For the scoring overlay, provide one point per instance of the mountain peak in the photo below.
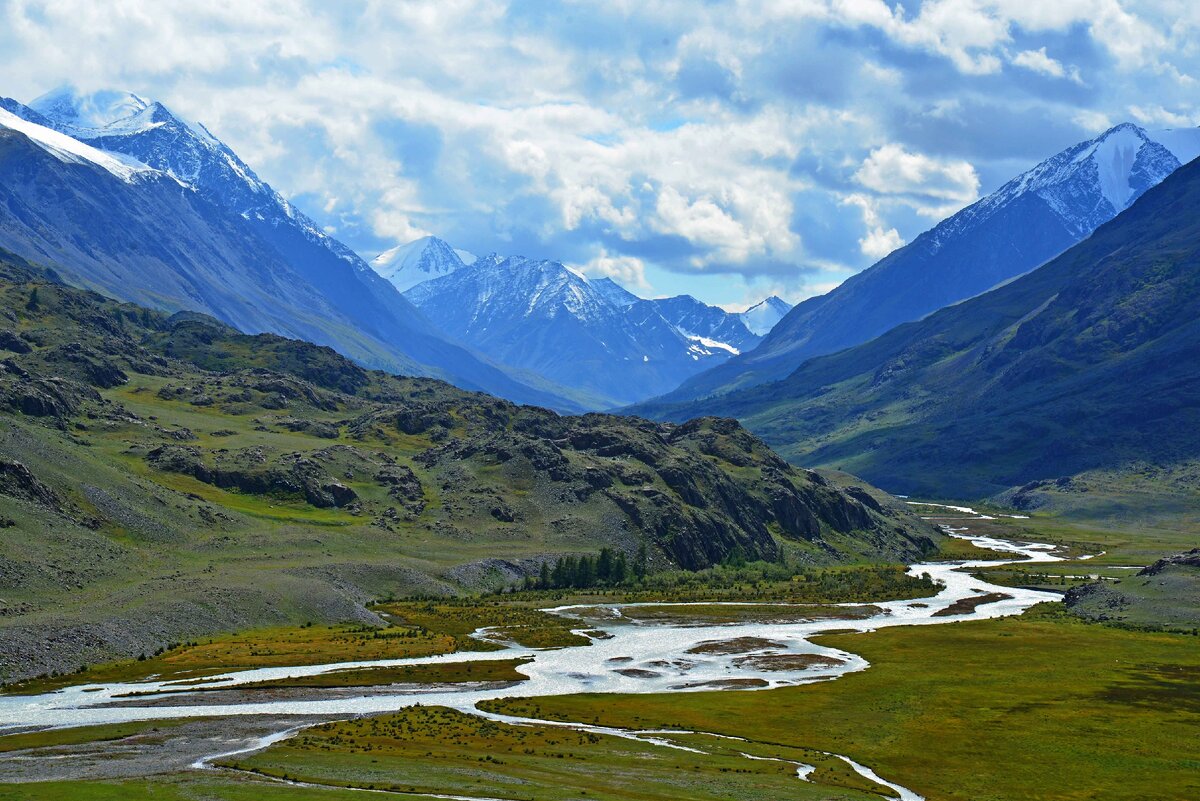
(412, 263)
(68, 106)
(762, 316)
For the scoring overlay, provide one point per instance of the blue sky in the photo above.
(726, 149)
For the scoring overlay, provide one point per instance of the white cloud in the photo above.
(625, 270)
(879, 240)
(892, 170)
(879, 243)
(1038, 61)
(1158, 116)
(489, 122)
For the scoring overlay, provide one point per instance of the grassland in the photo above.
(83, 734)
(443, 751)
(1036, 707)
(176, 788)
(281, 646)
(524, 626)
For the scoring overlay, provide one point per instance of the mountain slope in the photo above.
(168, 477)
(1087, 362)
(1027, 221)
(198, 230)
(543, 317)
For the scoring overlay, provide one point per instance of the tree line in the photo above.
(608, 568)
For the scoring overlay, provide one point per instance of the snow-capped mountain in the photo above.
(1026, 222)
(407, 265)
(711, 326)
(134, 202)
(591, 335)
(70, 150)
(762, 316)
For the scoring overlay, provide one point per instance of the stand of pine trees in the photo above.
(607, 568)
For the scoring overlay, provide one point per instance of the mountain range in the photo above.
(1086, 363)
(256, 262)
(590, 334)
(1029, 220)
(125, 198)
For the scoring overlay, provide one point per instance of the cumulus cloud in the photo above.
(625, 270)
(1038, 61)
(672, 144)
(879, 240)
(892, 170)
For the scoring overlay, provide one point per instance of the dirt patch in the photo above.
(965, 606)
(725, 684)
(787, 662)
(638, 673)
(740, 645)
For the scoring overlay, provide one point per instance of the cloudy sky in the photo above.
(727, 149)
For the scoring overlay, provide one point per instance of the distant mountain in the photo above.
(764, 315)
(1087, 363)
(175, 220)
(1027, 221)
(409, 264)
(711, 326)
(590, 335)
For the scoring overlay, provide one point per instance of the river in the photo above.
(637, 653)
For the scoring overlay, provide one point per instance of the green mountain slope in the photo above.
(165, 477)
(1088, 362)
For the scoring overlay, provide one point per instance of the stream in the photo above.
(631, 651)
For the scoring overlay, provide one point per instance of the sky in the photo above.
(729, 150)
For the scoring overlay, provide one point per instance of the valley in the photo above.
(570, 712)
(492, 401)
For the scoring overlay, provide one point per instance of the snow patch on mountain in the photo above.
(72, 151)
(613, 292)
(712, 344)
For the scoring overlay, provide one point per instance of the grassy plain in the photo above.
(439, 750)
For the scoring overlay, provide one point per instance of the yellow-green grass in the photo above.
(489, 670)
(273, 647)
(49, 738)
(1019, 709)
(531, 628)
(182, 787)
(438, 750)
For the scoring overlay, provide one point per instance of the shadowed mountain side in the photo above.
(1088, 362)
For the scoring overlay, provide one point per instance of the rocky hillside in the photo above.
(1164, 595)
(162, 477)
